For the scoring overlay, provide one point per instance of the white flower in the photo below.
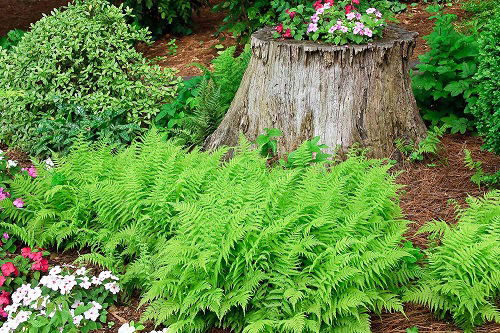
(55, 270)
(85, 284)
(49, 163)
(91, 314)
(77, 320)
(23, 316)
(105, 275)
(113, 287)
(126, 328)
(11, 164)
(77, 304)
(96, 305)
(81, 271)
(96, 281)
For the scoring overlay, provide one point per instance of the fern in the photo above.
(480, 177)
(462, 275)
(304, 247)
(283, 250)
(429, 145)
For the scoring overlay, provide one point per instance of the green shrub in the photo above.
(82, 57)
(486, 110)
(444, 83)
(481, 12)
(158, 15)
(462, 274)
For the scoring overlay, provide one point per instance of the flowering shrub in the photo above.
(341, 22)
(64, 300)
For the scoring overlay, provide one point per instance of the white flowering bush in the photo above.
(336, 22)
(65, 300)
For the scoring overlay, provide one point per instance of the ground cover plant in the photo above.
(77, 71)
(462, 274)
(126, 206)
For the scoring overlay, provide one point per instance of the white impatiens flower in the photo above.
(77, 320)
(11, 164)
(96, 281)
(85, 283)
(91, 314)
(105, 275)
(55, 270)
(126, 328)
(113, 287)
(49, 163)
(80, 271)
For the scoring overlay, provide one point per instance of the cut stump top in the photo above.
(391, 35)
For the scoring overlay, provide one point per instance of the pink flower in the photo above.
(330, 2)
(19, 203)
(315, 18)
(6, 235)
(26, 252)
(288, 33)
(367, 32)
(356, 2)
(292, 14)
(371, 10)
(40, 265)
(4, 298)
(350, 16)
(8, 268)
(2, 280)
(343, 28)
(349, 8)
(313, 27)
(378, 14)
(279, 28)
(318, 4)
(31, 171)
(35, 256)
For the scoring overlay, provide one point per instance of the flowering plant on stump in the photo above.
(330, 21)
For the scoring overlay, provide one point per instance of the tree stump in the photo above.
(344, 94)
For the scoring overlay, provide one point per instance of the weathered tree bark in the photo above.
(344, 94)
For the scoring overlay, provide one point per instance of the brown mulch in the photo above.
(199, 47)
(429, 185)
(19, 14)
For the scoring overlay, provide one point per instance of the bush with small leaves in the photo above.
(83, 57)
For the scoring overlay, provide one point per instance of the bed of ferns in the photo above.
(462, 274)
(237, 243)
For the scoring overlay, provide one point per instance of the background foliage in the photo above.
(443, 84)
(160, 15)
(487, 107)
(77, 71)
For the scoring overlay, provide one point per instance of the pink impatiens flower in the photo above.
(367, 32)
(288, 33)
(350, 16)
(292, 14)
(19, 203)
(31, 171)
(313, 27)
(279, 28)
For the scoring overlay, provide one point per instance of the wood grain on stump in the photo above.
(344, 94)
